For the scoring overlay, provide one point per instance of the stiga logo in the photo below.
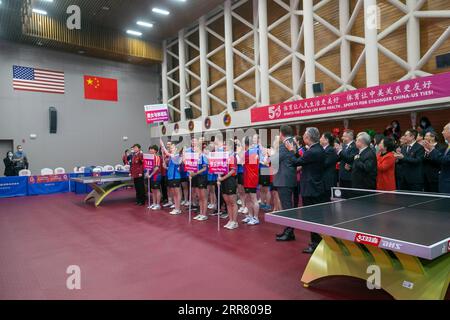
(366, 239)
(390, 245)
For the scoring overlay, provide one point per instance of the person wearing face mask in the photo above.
(10, 166)
(20, 159)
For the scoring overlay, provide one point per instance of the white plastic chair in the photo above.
(25, 173)
(75, 169)
(99, 167)
(81, 169)
(119, 167)
(126, 167)
(46, 172)
(108, 168)
(60, 170)
(97, 170)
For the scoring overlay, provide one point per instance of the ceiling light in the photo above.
(47, 0)
(134, 33)
(145, 24)
(39, 11)
(161, 11)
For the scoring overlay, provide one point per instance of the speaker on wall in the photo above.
(318, 87)
(188, 113)
(53, 119)
(234, 105)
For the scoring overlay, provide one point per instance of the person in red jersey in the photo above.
(251, 181)
(155, 179)
(137, 173)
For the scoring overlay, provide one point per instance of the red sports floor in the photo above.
(129, 252)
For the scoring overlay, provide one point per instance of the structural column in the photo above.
(371, 23)
(204, 74)
(308, 37)
(164, 84)
(256, 53)
(228, 28)
(344, 12)
(296, 72)
(182, 73)
(263, 52)
(412, 37)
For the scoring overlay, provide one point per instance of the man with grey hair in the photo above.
(312, 185)
(346, 152)
(364, 168)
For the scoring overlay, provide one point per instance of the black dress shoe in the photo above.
(309, 250)
(286, 237)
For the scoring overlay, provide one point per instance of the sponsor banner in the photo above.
(218, 162)
(13, 187)
(415, 90)
(156, 113)
(49, 184)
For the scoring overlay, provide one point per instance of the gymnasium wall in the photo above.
(90, 132)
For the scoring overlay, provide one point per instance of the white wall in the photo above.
(89, 132)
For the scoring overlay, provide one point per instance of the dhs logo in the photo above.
(367, 239)
(390, 245)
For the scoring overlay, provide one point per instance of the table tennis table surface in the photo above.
(414, 224)
(105, 178)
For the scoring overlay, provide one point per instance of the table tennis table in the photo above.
(404, 234)
(102, 186)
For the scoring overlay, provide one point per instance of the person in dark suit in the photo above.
(364, 169)
(431, 167)
(331, 158)
(285, 177)
(346, 153)
(442, 157)
(311, 182)
(10, 166)
(411, 161)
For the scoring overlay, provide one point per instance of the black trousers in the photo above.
(345, 183)
(308, 201)
(297, 195)
(140, 189)
(164, 189)
(287, 196)
(431, 186)
(411, 186)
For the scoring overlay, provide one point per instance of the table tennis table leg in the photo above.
(402, 276)
(99, 192)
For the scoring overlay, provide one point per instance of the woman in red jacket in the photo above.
(386, 165)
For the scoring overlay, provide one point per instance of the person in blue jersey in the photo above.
(200, 179)
(240, 177)
(174, 177)
(212, 180)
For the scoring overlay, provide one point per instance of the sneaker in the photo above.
(239, 202)
(175, 212)
(172, 206)
(186, 203)
(197, 217)
(214, 213)
(211, 206)
(183, 202)
(151, 206)
(241, 210)
(228, 225)
(234, 225)
(245, 211)
(224, 215)
(247, 219)
(156, 207)
(254, 221)
(168, 204)
(202, 218)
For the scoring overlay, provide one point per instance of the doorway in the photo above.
(5, 146)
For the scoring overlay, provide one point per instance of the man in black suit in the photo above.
(285, 179)
(442, 157)
(411, 161)
(329, 172)
(346, 153)
(364, 169)
(311, 182)
(431, 167)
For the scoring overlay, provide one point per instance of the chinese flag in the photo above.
(97, 88)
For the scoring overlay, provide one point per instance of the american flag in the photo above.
(32, 79)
